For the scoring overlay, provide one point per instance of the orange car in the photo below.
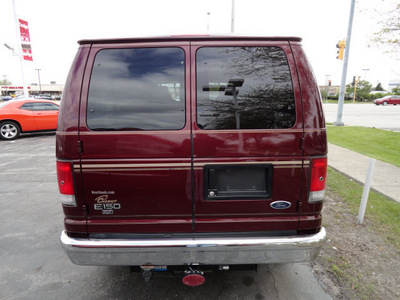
(18, 116)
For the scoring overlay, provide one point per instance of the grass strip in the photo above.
(377, 143)
(384, 213)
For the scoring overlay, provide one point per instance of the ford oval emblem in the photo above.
(281, 205)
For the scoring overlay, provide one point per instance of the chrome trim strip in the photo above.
(148, 132)
(112, 165)
(242, 131)
(67, 133)
(136, 169)
(133, 132)
(288, 162)
(186, 165)
(176, 251)
(309, 130)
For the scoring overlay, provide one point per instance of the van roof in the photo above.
(188, 37)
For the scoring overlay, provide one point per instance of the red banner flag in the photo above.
(25, 40)
(27, 52)
(24, 29)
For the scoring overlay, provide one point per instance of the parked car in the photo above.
(56, 97)
(22, 97)
(392, 99)
(6, 98)
(44, 97)
(20, 116)
(196, 153)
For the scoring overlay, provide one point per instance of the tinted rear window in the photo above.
(137, 89)
(244, 88)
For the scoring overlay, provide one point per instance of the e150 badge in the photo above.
(107, 206)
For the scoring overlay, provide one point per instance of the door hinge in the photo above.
(80, 146)
(302, 142)
(85, 210)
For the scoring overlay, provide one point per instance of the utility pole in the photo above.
(357, 79)
(40, 85)
(19, 50)
(208, 22)
(339, 121)
(365, 74)
(233, 17)
(5, 83)
(326, 87)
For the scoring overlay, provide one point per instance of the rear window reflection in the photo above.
(244, 88)
(137, 89)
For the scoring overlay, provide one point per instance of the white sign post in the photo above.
(365, 194)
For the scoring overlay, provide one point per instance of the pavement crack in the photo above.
(273, 280)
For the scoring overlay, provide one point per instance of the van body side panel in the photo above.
(278, 148)
(67, 138)
(314, 121)
(137, 180)
(67, 127)
(315, 140)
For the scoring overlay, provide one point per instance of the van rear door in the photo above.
(247, 154)
(135, 139)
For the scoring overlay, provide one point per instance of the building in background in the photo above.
(34, 89)
(331, 91)
(393, 84)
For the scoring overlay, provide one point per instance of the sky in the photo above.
(55, 26)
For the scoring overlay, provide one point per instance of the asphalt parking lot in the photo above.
(33, 265)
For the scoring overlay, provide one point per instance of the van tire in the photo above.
(9, 130)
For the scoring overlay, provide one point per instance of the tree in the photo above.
(389, 35)
(396, 90)
(363, 89)
(5, 82)
(379, 87)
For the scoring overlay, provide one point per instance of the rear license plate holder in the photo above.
(233, 182)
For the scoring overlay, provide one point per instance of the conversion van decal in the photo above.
(106, 205)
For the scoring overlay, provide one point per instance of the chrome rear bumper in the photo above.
(210, 251)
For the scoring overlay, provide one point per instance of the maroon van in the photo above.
(191, 151)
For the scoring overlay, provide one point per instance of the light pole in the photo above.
(339, 116)
(9, 48)
(208, 22)
(365, 73)
(327, 86)
(40, 85)
(5, 82)
(233, 17)
(19, 50)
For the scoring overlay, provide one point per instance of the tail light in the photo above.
(66, 182)
(318, 179)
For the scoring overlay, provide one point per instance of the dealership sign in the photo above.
(14, 87)
(25, 40)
